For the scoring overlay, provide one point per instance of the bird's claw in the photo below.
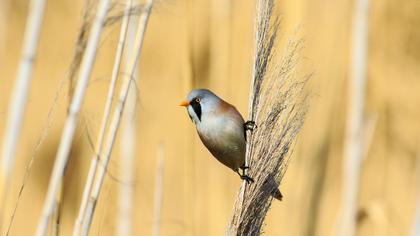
(250, 125)
(247, 179)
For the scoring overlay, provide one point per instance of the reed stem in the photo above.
(72, 117)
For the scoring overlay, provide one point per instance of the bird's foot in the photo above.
(244, 167)
(250, 125)
(247, 179)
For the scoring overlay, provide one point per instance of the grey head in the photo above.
(201, 102)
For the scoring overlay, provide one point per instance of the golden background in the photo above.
(209, 43)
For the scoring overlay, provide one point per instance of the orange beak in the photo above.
(184, 103)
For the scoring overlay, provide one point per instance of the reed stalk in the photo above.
(105, 119)
(74, 66)
(72, 117)
(124, 214)
(19, 99)
(116, 119)
(354, 140)
(278, 105)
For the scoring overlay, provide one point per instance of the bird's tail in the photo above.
(277, 195)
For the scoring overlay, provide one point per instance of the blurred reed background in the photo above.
(209, 43)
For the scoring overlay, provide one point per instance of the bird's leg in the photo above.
(245, 177)
(250, 125)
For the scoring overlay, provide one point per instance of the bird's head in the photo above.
(200, 103)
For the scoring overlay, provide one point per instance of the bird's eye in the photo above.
(198, 100)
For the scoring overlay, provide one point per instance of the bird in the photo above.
(222, 130)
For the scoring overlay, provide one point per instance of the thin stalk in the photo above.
(128, 147)
(19, 97)
(251, 114)
(353, 147)
(116, 119)
(105, 119)
(72, 117)
(158, 198)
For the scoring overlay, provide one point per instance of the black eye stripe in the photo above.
(196, 107)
